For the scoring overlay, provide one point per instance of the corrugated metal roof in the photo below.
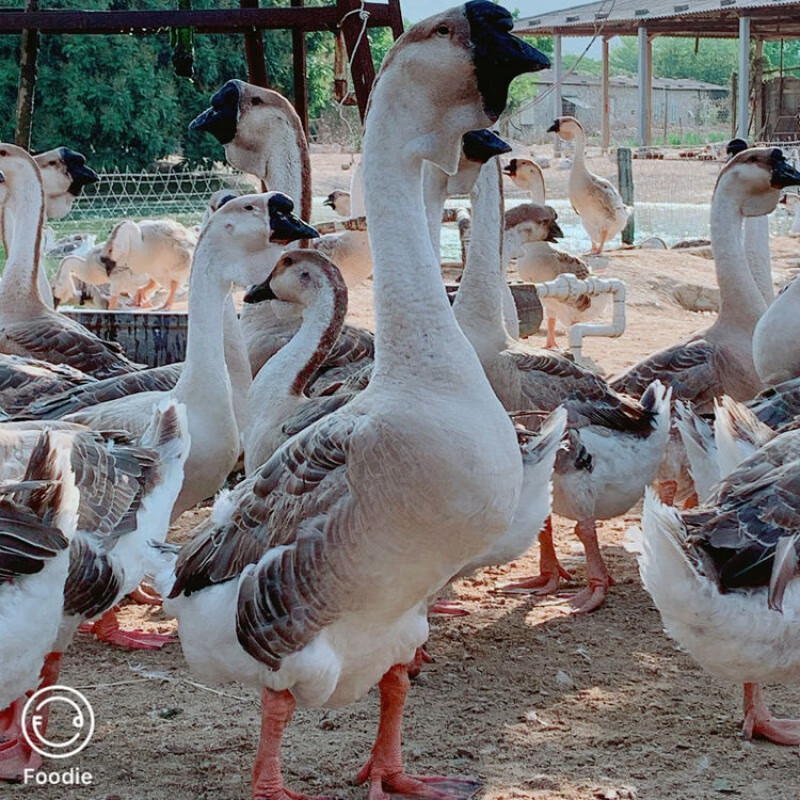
(638, 11)
(547, 77)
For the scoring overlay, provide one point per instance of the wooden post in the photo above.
(606, 100)
(299, 62)
(743, 101)
(29, 46)
(395, 18)
(254, 50)
(625, 178)
(363, 70)
(644, 82)
(648, 109)
(758, 88)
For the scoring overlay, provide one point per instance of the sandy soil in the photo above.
(536, 702)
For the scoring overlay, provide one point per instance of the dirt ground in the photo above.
(536, 702)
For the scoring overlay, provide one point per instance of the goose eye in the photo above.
(257, 101)
(305, 276)
(3, 153)
(249, 207)
(288, 261)
(443, 30)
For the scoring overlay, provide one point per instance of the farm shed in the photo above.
(749, 21)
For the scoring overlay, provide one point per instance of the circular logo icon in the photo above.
(52, 700)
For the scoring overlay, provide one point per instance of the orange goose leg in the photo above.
(594, 595)
(760, 724)
(16, 755)
(550, 570)
(107, 629)
(145, 595)
(384, 770)
(277, 709)
(551, 343)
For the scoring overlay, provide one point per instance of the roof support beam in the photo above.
(606, 141)
(743, 104)
(645, 87)
(558, 105)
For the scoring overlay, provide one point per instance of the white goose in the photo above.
(594, 199)
(615, 444)
(288, 586)
(776, 359)
(528, 176)
(724, 579)
(240, 243)
(27, 326)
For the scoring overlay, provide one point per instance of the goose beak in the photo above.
(260, 293)
(285, 226)
(510, 169)
(783, 173)
(76, 166)
(56, 301)
(555, 127)
(329, 201)
(499, 57)
(222, 118)
(554, 233)
(2, 178)
(479, 146)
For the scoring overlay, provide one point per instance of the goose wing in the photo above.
(61, 341)
(603, 193)
(778, 405)
(352, 344)
(290, 528)
(25, 380)
(693, 370)
(157, 379)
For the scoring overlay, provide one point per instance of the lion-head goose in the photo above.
(240, 244)
(615, 444)
(530, 230)
(720, 360)
(528, 176)
(339, 202)
(594, 199)
(723, 578)
(38, 518)
(160, 249)
(27, 326)
(309, 526)
(309, 280)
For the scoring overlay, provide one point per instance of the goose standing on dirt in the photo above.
(27, 326)
(240, 244)
(594, 199)
(615, 444)
(724, 578)
(720, 360)
(288, 587)
(530, 230)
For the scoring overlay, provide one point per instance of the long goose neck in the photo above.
(23, 218)
(756, 247)
(205, 370)
(578, 157)
(434, 183)
(417, 339)
(288, 164)
(236, 359)
(741, 302)
(292, 367)
(478, 305)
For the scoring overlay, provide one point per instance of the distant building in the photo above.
(679, 105)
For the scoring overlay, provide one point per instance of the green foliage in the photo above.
(586, 65)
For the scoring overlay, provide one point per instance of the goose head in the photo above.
(248, 234)
(523, 172)
(756, 175)
(245, 118)
(216, 201)
(298, 280)
(530, 222)
(124, 240)
(471, 49)
(338, 201)
(22, 176)
(64, 174)
(568, 128)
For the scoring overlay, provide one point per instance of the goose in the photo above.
(615, 444)
(529, 231)
(339, 202)
(792, 202)
(240, 243)
(723, 578)
(477, 148)
(314, 525)
(160, 249)
(27, 326)
(263, 135)
(720, 359)
(277, 402)
(38, 517)
(25, 380)
(125, 494)
(594, 199)
(527, 175)
(216, 201)
(774, 357)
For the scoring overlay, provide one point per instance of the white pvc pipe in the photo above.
(568, 287)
